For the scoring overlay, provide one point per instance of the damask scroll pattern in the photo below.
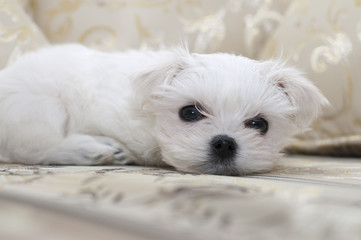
(335, 51)
(326, 43)
(207, 25)
(301, 191)
(262, 23)
(18, 34)
(337, 46)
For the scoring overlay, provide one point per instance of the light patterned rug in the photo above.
(303, 198)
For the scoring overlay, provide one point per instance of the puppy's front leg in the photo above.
(75, 149)
(81, 149)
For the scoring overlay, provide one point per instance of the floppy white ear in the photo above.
(165, 68)
(302, 93)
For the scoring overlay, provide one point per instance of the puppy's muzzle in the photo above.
(223, 148)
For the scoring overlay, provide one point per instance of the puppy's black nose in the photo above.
(223, 147)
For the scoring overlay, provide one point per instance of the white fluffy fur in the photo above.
(72, 105)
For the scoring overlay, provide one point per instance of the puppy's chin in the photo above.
(231, 167)
(226, 168)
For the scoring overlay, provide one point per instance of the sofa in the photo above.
(314, 191)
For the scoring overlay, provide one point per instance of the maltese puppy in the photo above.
(200, 113)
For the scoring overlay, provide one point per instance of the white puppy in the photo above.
(216, 113)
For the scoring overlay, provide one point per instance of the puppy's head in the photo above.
(225, 114)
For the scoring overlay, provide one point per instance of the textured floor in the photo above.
(303, 198)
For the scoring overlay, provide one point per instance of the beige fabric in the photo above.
(22, 219)
(18, 34)
(304, 198)
(325, 41)
(207, 25)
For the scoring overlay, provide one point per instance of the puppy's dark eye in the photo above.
(258, 123)
(190, 113)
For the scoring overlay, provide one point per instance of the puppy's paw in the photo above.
(87, 150)
(97, 156)
(108, 141)
(121, 158)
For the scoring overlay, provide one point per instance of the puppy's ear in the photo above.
(167, 65)
(302, 93)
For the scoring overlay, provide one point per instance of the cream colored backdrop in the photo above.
(324, 38)
(321, 37)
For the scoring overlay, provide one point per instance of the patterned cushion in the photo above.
(304, 198)
(324, 39)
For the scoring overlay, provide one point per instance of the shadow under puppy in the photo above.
(201, 113)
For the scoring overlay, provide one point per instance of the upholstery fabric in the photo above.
(18, 33)
(230, 26)
(207, 26)
(325, 42)
(304, 198)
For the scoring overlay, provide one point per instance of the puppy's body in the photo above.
(72, 105)
(53, 103)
